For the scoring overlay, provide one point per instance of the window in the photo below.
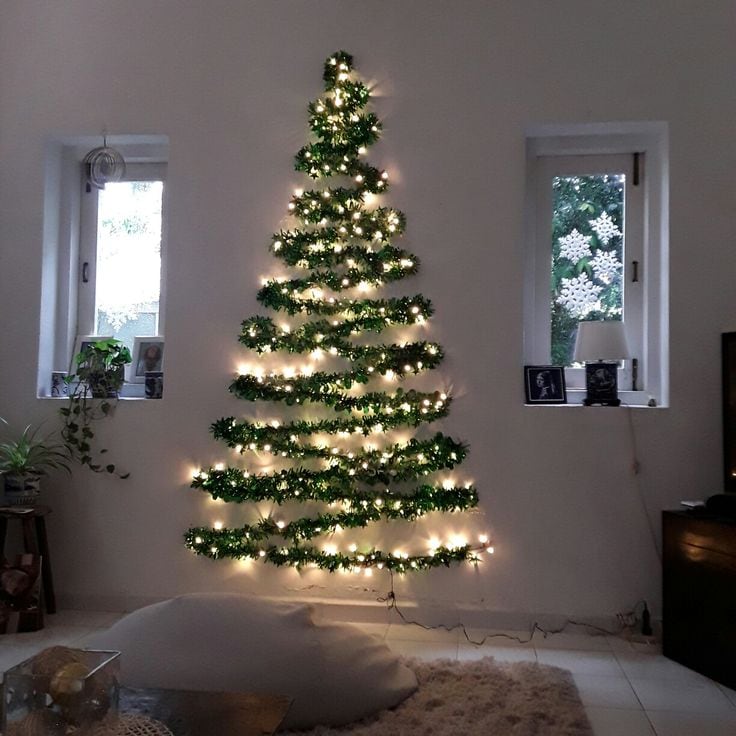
(121, 234)
(595, 251)
(104, 251)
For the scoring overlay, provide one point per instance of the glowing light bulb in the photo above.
(198, 540)
(218, 525)
(280, 524)
(219, 466)
(362, 150)
(483, 538)
(490, 550)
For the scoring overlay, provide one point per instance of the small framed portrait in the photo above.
(601, 383)
(148, 356)
(545, 384)
(83, 341)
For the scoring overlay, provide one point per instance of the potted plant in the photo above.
(93, 392)
(101, 365)
(25, 459)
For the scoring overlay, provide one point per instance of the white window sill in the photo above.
(129, 392)
(633, 399)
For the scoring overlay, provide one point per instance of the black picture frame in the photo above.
(545, 384)
(601, 384)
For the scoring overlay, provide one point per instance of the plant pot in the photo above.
(106, 385)
(21, 490)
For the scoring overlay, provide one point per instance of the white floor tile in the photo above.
(667, 723)
(606, 692)
(47, 636)
(564, 640)
(100, 619)
(602, 664)
(618, 722)
(687, 697)
(467, 652)
(640, 665)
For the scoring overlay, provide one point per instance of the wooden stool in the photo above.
(35, 542)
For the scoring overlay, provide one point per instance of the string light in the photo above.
(343, 247)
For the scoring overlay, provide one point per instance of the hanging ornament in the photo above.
(104, 165)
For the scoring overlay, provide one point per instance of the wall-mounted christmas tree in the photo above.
(341, 460)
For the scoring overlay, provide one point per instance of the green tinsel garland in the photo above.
(343, 244)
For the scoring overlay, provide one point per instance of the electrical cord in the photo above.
(636, 467)
(392, 605)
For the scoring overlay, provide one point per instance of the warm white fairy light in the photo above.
(218, 525)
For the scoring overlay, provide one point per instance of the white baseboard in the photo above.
(361, 611)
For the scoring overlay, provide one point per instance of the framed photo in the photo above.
(148, 356)
(601, 384)
(82, 342)
(545, 384)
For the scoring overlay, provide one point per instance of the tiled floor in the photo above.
(627, 689)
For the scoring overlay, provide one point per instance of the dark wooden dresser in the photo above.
(699, 592)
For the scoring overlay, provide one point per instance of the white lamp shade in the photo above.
(601, 341)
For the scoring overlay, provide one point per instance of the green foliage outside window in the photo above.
(587, 256)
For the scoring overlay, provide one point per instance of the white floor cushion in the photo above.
(230, 643)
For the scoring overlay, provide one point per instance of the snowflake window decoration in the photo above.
(575, 246)
(605, 228)
(606, 266)
(579, 295)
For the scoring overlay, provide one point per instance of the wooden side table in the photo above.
(35, 541)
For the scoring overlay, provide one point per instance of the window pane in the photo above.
(587, 256)
(128, 283)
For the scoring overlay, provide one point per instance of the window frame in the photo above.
(89, 205)
(548, 148)
(59, 323)
(547, 168)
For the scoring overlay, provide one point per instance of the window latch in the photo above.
(635, 272)
(85, 272)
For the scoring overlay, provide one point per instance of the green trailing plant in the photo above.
(94, 387)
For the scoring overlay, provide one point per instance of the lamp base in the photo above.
(599, 402)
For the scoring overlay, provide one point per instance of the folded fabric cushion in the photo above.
(223, 642)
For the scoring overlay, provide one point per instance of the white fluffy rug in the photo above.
(479, 698)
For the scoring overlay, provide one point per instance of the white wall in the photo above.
(457, 84)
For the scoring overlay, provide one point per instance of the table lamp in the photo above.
(601, 345)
